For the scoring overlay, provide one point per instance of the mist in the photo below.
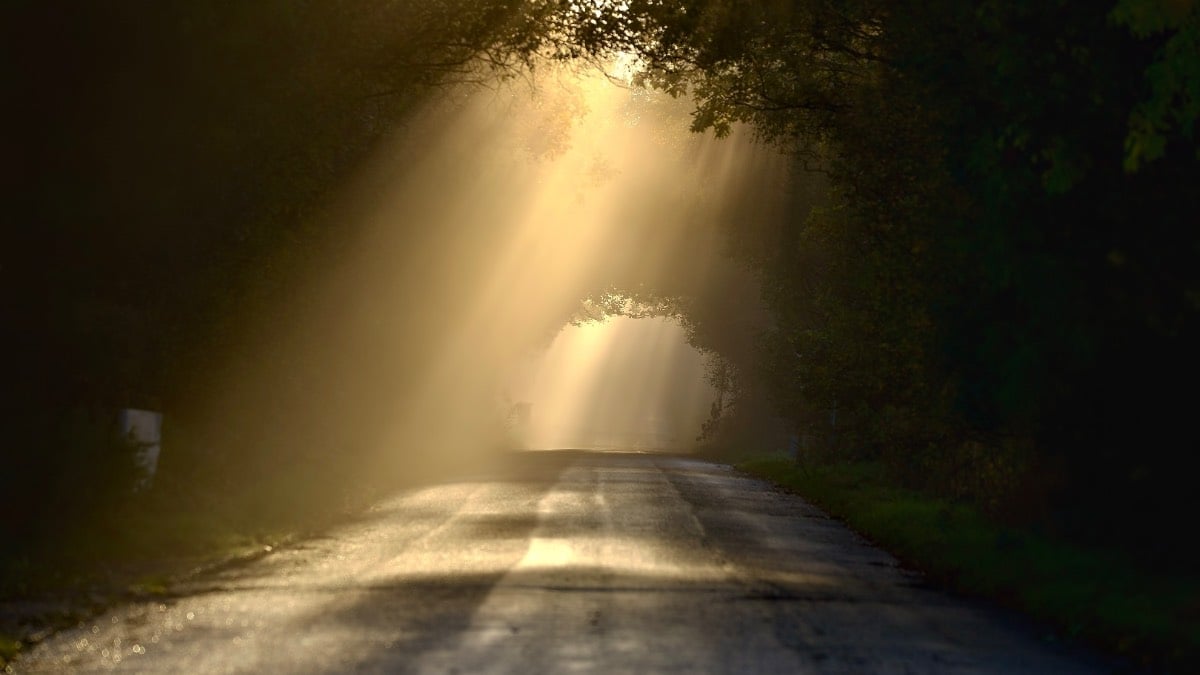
(621, 383)
(472, 241)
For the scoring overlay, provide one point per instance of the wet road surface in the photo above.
(566, 562)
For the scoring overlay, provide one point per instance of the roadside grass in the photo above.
(72, 562)
(1098, 596)
(82, 564)
(10, 646)
(144, 539)
(96, 561)
(122, 547)
(71, 559)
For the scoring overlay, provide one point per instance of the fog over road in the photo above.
(564, 562)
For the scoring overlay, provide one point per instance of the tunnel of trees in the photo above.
(989, 265)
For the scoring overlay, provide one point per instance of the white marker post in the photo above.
(144, 429)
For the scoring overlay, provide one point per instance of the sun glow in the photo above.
(621, 383)
(481, 227)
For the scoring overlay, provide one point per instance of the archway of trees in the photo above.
(989, 273)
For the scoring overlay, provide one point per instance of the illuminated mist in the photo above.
(622, 383)
(479, 229)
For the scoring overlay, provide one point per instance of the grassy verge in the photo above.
(1094, 595)
(88, 566)
(81, 564)
(79, 561)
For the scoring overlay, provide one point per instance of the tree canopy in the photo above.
(998, 292)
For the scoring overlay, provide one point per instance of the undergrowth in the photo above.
(1099, 596)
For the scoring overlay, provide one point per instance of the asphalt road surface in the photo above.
(567, 562)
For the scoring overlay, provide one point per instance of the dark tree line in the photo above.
(166, 169)
(998, 295)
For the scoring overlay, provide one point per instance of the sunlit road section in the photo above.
(560, 562)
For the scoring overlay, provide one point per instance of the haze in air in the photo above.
(497, 217)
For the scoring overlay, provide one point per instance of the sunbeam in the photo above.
(621, 383)
(481, 226)
(528, 200)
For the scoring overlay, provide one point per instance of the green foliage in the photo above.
(1173, 104)
(1098, 595)
(989, 293)
(9, 648)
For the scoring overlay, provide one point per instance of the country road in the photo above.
(566, 562)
